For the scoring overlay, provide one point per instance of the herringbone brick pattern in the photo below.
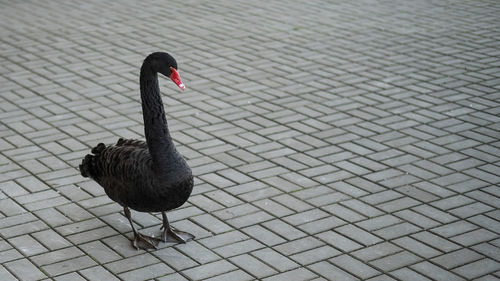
(330, 140)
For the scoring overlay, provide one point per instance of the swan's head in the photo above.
(165, 64)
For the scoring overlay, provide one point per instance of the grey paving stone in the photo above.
(416, 247)
(284, 230)
(250, 219)
(381, 197)
(486, 222)
(452, 202)
(331, 272)
(209, 270)
(454, 259)
(260, 194)
(417, 219)
(365, 185)
(474, 237)
(313, 192)
(198, 253)
(173, 277)
(435, 272)
(406, 273)
(487, 277)
(27, 245)
(395, 261)
(321, 225)
(146, 272)
(357, 234)
(74, 212)
(233, 275)
(292, 202)
(263, 235)
(378, 144)
(236, 211)
(398, 204)
(17, 219)
(345, 191)
(78, 227)
(99, 252)
(339, 241)
(483, 197)
(212, 224)
(90, 235)
(10, 207)
(293, 275)
(434, 189)
(381, 277)
(70, 276)
(274, 208)
(486, 249)
(10, 255)
(376, 251)
(253, 266)
(275, 259)
(12, 189)
(354, 266)
(477, 268)
(57, 256)
(344, 213)
(97, 273)
(224, 239)
(131, 263)
(238, 248)
(454, 228)
(315, 255)
(398, 230)
(436, 241)
(224, 198)
(5, 274)
(305, 217)
(378, 222)
(24, 270)
(25, 228)
(175, 259)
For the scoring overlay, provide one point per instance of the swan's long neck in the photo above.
(155, 124)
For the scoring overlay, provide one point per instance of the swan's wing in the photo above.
(127, 163)
(123, 171)
(131, 142)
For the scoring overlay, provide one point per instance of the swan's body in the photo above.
(127, 173)
(148, 176)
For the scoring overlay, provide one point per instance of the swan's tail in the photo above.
(88, 168)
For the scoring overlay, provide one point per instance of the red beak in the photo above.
(177, 78)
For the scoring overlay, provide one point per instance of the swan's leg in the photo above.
(171, 234)
(140, 241)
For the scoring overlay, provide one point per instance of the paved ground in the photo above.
(331, 140)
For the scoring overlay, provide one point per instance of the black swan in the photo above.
(149, 176)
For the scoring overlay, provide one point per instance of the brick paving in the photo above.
(330, 140)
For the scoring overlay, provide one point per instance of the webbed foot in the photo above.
(140, 242)
(143, 242)
(171, 234)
